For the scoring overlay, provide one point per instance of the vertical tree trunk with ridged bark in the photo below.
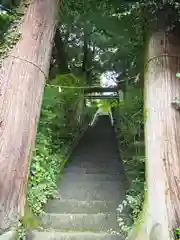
(163, 132)
(21, 89)
(161, 211)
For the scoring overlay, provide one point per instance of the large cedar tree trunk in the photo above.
(162, 207)
(21, 90)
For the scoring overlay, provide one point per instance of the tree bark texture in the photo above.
(60, 54)
(21, 89)
(163, 132)
(162, 215)
(85, 56)
(87, 60)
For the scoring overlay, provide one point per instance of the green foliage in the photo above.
(104, 105)
(5, 20)
(71, 103)
(91, 109)
(178, 75)
(178, 233)
(8, 32)
(129, 210)
(116, 31)
(55, 134)
(131, 120)
(29, 221)
(114, 40)
(133, 156)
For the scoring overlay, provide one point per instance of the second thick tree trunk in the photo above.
(21, 90)
(161, 214)
(163, 131)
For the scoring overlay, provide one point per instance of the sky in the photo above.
(108, 79)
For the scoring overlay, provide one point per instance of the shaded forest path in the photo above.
(90, 190)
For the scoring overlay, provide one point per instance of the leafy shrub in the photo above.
(129, 210)
(133, 155)
(5, 20)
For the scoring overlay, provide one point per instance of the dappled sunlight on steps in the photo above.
(89, 191)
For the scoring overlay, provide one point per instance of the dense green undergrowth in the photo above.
(131, 135)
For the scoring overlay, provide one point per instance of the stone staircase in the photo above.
(89, 191)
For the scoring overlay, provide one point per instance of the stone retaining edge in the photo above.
(75, 142)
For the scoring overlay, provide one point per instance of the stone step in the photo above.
(97, 164)
(74, 206)
(72, 236)
(89, 185)
(80, 222)
(98, 146)
(69, 188)
(89, 162)
(91, 190)
(91, 194)
(96, 158)
(99, 143)
(72, 169)
(90, 177)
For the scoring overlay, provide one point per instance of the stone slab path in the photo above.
(89, 191)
